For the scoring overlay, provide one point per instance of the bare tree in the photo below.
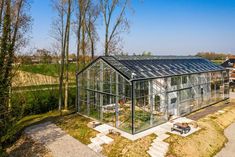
(87, 12)
(58, 31)
(61, 33)
(120, 23)
(80, 34)
(66, 46)
(93, 12)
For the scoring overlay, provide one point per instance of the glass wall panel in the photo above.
(150, 103)
(105, 95)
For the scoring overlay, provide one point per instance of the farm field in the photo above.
(46, 69)
(40, 74)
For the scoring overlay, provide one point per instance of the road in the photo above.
(229, 149)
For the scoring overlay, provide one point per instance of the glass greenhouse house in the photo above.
(135, 93)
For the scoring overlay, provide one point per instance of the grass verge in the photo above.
(76, 126)
(206, 142)
(46, 69)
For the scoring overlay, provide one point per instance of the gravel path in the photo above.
(58, 142)
(229, 149)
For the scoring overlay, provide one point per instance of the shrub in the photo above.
(36, 102)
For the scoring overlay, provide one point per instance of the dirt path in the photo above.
(58, 142)
(229, 149)
(208, 110)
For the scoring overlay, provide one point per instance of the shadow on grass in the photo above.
(28, 148)
(16, 130)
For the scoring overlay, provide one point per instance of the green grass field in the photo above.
(46, 69)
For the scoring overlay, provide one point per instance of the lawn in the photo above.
(206, 142)
(76, 126)
(122, 147)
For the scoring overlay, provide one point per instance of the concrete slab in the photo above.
(95, 148)
(97, 141)
(158, 149)
(104, 128)
(153, 153)
(160, 143)
(106, 139)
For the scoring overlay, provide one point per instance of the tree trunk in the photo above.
(92, 50)
(67, 57)
(77, 58)
(83, 40)
(5, 45)
(106, 41)
(1, 11)
(67, 64)
(66, 41)
(61, 61)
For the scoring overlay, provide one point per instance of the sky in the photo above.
(162, 27)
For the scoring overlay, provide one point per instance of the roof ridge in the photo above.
(154, 57)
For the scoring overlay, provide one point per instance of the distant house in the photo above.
(229, 64)
(135, 93)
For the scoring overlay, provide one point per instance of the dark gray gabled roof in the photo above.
(144, 67)
(229, 63)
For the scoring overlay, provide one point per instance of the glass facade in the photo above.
(136, 105)
(105, 95)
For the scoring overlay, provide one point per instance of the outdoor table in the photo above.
(181, 127)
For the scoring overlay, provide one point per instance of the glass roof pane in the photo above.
(143, 67)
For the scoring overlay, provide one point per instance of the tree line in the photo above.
(213, 55)
(81, 18)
